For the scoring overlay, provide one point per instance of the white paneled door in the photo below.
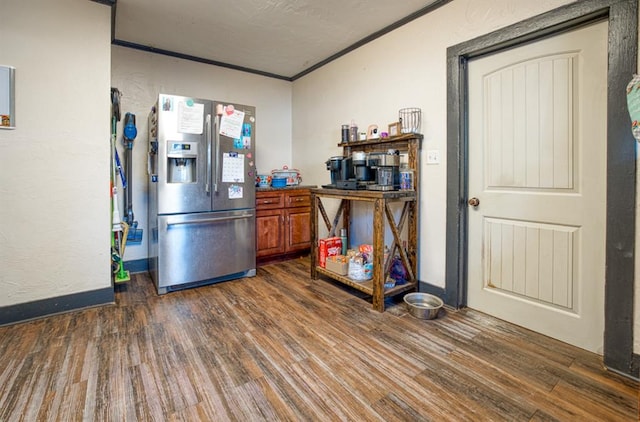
(537, 168)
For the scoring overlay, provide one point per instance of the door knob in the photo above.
(474, 202)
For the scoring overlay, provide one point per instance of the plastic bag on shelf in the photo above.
(397, 271)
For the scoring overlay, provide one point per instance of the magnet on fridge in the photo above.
(167, 104)
(249, 155)
(233, 154)
(250, 163)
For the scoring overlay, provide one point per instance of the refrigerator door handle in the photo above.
(208, 220)
(207, 187)
(217, 134)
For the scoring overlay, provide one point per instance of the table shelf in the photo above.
(366, 286)
(382, 216)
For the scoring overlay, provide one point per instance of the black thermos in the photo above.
(345, 133)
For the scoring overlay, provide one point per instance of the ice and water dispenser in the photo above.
(181, 161)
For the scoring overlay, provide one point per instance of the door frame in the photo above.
(622, 17)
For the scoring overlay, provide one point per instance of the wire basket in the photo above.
(410, 118)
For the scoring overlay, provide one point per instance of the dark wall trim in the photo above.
(106, 2)
(175, 54)
(55, 305)
(431, 289)
(635, 366)
(430, 8)
(114, 11)
(621, 190)
(622, 16)
(137, 266)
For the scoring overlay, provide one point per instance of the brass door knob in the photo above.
(474, 202)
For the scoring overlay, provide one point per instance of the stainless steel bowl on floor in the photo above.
(423, 305)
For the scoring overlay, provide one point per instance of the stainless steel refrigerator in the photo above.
(201, 192)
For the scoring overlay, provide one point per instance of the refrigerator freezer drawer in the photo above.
(203, 247)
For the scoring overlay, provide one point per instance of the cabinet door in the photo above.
(298, 229)
(269, 232)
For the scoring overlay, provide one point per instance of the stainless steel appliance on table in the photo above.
(201, 192)
(372, 171)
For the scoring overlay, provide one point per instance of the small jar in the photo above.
(353, 132)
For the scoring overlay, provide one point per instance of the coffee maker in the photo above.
(387, 170)
(341, 170)
(334, 165)
(363, 173)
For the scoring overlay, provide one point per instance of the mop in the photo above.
(122, 275)
(119, 229)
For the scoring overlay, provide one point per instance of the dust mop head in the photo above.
(122, 276)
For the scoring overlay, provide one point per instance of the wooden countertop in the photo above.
(365, 194)
(270, 189)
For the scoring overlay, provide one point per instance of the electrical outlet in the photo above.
(433, 156)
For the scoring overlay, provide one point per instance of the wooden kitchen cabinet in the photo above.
(283, 229)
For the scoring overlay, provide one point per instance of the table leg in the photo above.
(314, 236)
(378, 255)
(413, 240)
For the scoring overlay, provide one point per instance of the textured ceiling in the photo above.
(281, 38)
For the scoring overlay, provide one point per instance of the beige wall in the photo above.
(54, 167)
(405, 68)
(141, 76)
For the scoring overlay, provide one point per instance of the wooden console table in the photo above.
(382, 216)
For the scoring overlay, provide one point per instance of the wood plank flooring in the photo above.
(281, 346)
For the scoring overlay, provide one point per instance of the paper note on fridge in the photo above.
(190, 117)
(231, 124)
(232, 168)
(235, 192)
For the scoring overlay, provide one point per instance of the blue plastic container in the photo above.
(278, 182)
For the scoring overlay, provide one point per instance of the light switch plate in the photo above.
(433, 156)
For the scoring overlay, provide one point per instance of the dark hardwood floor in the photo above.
(281, 346)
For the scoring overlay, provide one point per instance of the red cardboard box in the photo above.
(330, 246)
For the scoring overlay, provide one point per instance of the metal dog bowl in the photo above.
(423, 305)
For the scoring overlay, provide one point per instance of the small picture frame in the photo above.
(395, 129)
(7, 97)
